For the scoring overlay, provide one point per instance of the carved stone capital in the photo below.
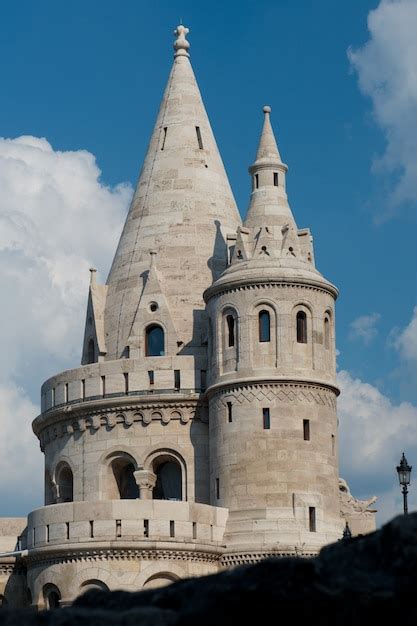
(146, 481)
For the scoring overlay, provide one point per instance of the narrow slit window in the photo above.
(67, 529)
(103, 386)
(312, 519)
(326, 333)
(177, 379)
(264, 326)
(126, 376)
(266, 417)
(230, 320)
(83, 388)
(203, 380)
(164, 138)
(91, 352)
(275, 179)
(172, 528)
(194, 530)
(229, 412)
(91, 529)
(118, 528)
(306, 430)
(217, 488)
(199, 138)
(151, 375)
(146, 528)
(301, 327)
(53, 396)
(256, 181)
(66, 392)
(47, 533)
(333, 445)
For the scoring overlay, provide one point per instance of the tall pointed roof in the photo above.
(268, 203)
(183, 208)
(270, 247)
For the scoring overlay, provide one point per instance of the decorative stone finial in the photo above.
(93, 272)
(267, 109)
(181, 45)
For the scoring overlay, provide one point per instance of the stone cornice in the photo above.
(95, 414)
(244, 284)
(272, 383)
(243, 558)
(66, 555)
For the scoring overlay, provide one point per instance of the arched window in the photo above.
(52, 596)
(230, 321)
(301, 327)
(154, 341)
(91, 351)
(65, 483)
(326, 332)
(168, 481)
(123, 471)
(264, 326)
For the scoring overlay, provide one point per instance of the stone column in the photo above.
(146, 481)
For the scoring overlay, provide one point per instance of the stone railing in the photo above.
(124, 521)
(121, 378)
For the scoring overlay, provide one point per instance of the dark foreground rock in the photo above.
(367, 580)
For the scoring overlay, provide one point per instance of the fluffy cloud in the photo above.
(373, 434)
(364, 327)
(406, 340)
(386, 67)
(57, 219)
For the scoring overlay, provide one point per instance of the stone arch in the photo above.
(157, 462)
(155, 569)
(50, 489)
(51, 596)
(303, 351)
(117, 475)
(93, 583)
(63, 478)
(229, 336)
(161, 579)
(264, 354)
(328, 329)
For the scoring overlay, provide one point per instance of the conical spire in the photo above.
(268, 203)
(268, 152)
(183, 208)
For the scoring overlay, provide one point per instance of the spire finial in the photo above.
(267, 109)
(181, 45)
(93, 272)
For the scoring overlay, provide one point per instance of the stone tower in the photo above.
(200, 430)
(272, 390)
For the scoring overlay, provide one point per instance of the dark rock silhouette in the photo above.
(364, 580)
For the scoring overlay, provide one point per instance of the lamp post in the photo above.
(404, 473)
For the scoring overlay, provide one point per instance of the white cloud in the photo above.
(386, 67)
(57, 219)
(373, 434)
(406, 340)
(364, 327)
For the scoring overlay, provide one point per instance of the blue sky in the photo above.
(89, 76)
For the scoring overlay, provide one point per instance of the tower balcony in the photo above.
(126, 524)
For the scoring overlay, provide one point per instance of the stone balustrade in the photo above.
(132, 521)
(122, 377)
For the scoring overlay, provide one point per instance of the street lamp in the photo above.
(404, 473)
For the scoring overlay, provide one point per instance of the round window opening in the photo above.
(153, 307)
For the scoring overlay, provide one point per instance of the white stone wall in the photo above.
(269, 478)
(183, 539)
